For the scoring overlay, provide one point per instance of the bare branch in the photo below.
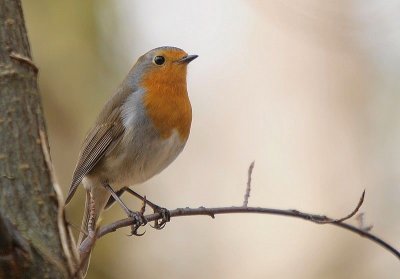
(360, 202)
(318, 219)
(248, 188)
(66, 237)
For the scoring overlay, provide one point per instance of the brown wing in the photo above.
(100, 140)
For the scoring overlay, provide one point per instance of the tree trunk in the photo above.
(33, 240)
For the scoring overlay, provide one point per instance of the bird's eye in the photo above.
(159, 60)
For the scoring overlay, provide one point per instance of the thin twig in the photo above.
(67, 240)
(84, 250)
(248, 188)
(360, 202)
(318, 219)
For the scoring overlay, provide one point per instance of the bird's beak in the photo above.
(187, 59)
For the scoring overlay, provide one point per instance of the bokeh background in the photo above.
(308, 89)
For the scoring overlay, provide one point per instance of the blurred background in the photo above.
(308, 89)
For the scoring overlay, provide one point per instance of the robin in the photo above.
(139, 132)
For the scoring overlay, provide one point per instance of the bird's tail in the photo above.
(101, 197)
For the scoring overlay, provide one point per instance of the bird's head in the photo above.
(164, 65)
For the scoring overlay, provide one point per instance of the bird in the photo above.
(141, 130)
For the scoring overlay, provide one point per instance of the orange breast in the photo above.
(166, 101)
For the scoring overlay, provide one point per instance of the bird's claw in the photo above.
(159, 224)
(139, 221)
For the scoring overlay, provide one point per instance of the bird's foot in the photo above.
(139, 221)
(159, 224)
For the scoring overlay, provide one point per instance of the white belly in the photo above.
(141, 161)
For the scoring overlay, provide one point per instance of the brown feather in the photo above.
(100, 140)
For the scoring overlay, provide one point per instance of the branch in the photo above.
(315, 218)
(248, 188)
(66, 236)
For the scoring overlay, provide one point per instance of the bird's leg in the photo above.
(119, 193)
(158, 224)
(166, 216)
(120, 202)
(111, 200)
(137, 216)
